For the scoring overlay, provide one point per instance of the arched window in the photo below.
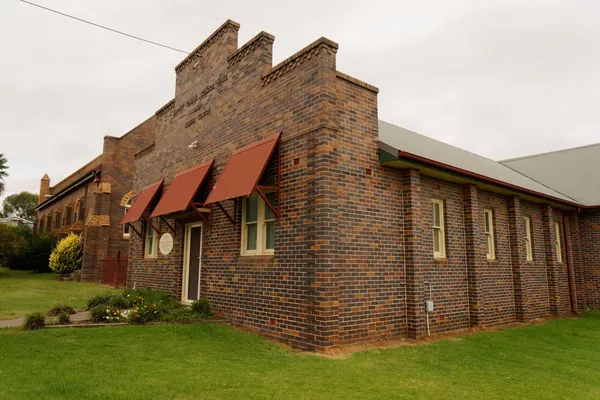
(126, 228)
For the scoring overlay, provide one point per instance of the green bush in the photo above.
(64, 318)
(185, 314)
(202, 307)
(60, 309)
(67, 256)
(35, 320)
(11, 243)
(138, 296)
(144, 313)
(99, 299)
(106, 313)
(30, 252)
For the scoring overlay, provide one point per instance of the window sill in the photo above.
(492, 260)
(262, 255)
(440, 260)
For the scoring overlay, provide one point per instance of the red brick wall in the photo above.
(590, 257)
(235, 98)
(371, 270)
(117, 171)
(498, 276)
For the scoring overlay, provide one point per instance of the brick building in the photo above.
(92, 200)
(276, 192)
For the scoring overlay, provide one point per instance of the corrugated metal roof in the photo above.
(243, 170)
(182, 190)
(570, 171)
(141, 203)
(403, 140)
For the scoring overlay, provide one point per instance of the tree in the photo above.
(3, 173)
(21, 204)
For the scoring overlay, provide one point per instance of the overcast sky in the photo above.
(500, 78)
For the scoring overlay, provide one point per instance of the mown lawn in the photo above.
(556, 360)
(24, 292)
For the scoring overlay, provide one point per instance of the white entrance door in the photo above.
(192, 262)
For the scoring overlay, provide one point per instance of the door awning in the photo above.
(243, 170)
(142, 202)
(182, 190)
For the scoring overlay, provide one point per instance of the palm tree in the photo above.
(3, 173)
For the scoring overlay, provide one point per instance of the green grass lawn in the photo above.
(24, 292)
(556, 360)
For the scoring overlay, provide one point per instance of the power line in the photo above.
(104, 27)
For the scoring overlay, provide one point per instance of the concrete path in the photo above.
(80, 316)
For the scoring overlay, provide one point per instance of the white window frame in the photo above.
(126, 227)
(528, 243)
(489, 233)
(151, 232)
(442, 237)
(261, 229)
(557, 243)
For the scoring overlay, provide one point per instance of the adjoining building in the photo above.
(276, 193)
(92, 200)
(16, 221)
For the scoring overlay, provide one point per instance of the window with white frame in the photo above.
(528, 246)
(258, 225)
(439, 246)
(126, 227)
(557, 244)
(489, 234)
(151, 239)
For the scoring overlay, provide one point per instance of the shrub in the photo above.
(118, 301)
(202, 307)
(106, 313)
(99, 299)
(181, 315)
(64, 318)
(138, 296)
(144, 313)
(67, 256)
(35, 320)
(11, 243)
(32, 253)
(60, 309)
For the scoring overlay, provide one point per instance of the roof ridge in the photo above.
(585, 146)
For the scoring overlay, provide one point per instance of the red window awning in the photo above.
(243, 170)
(180, 193)
(142, 202)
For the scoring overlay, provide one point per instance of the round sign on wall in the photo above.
(165, 244)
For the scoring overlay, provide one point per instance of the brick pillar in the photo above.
(44, 188)
(322, 293)
(551, 261)
(414, 254)
(476, 254)
(575, 257)
(516, 228)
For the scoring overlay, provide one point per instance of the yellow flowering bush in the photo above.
(67, 256)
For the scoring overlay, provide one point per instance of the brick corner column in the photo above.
(476, 255)
(576, 260)
(414, 257)
(551, 260)
(516, 229)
